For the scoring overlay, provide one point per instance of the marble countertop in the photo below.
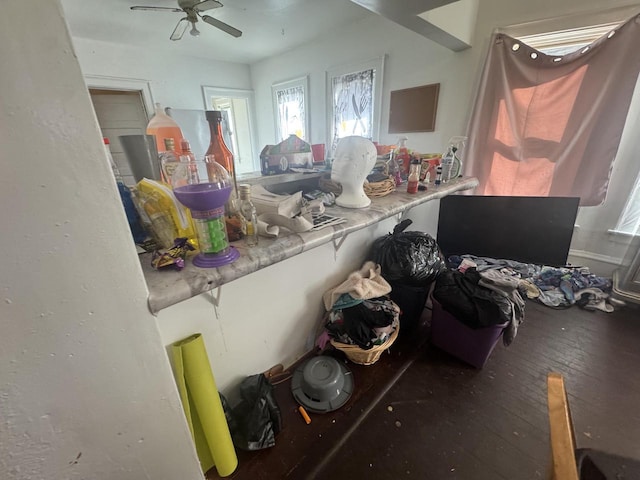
(168, 287)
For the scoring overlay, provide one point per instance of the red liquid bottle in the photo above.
(223, 156)
(414, 176)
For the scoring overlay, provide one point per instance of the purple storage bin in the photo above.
(471, 345)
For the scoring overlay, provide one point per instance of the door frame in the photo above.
(248, 95)
(124, 84)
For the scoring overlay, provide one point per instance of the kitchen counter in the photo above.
(169, 287)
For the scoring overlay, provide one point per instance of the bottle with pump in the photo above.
(447, 164)
(163, 126)
(414, 176)
(223, 156)
(139, 235)
(451, 164)
(248, 210)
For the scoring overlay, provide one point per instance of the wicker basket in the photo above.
(380, 189)
(371, 189)
(366, 357)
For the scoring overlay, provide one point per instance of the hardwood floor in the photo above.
(420, 413)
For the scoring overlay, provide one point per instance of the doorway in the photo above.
(119, 112)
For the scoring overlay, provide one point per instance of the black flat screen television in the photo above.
(527, 229)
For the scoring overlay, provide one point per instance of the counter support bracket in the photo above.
(337, 245)
(215, 299)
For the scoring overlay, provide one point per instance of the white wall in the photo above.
(273, 315)
(413, 60)
(247, 339)
(86, 388)
(176, 80)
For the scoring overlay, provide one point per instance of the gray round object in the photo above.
(322, 384)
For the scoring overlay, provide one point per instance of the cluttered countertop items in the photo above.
(169, 287)
(199, 226)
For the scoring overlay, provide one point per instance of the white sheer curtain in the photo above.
(291, 112)
(547, 125)
(352, 96)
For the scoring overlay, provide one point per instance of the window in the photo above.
(291, 107)
(355, 97)
(238, 127)
(563, 42)
(567, 41)
(545, 124)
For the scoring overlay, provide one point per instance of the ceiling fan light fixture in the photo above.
(194, 31)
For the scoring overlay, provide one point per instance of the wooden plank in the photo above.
(563, 443)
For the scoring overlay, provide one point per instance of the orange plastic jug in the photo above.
(163, 126)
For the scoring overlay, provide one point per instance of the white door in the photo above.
(120, 113)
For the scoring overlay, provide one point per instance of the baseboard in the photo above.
(599, 264)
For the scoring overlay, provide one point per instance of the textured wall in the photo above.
(85, 385)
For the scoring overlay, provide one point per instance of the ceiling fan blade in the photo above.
(181, 27)
(156, 9)
(234, 32)
(207, 5)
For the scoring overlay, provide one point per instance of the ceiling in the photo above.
(269, 27)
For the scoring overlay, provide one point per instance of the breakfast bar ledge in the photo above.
(168, 287)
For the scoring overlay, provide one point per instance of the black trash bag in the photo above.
(228, 413)
(411, 300)
(256, 419)
(409, 258)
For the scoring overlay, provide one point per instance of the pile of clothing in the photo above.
(551, 286)
(360, 311)
(481, 299)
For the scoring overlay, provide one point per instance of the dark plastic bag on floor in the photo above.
(256, 419)
(411, 300)
(410, 258)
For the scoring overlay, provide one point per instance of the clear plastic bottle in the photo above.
(394, 169)
(414, 176)
(248, 210)
(163, 126)
(402, 156)
(163, 227)
(169, 161)
(188, 158)
(447, 164)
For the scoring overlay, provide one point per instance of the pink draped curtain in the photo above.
(545, 125)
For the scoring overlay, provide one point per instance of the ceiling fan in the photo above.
(193, 9)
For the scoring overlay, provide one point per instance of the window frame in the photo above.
(208, 92)
(302, 82)
(375, 64)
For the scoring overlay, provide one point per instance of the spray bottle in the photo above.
(451, 163)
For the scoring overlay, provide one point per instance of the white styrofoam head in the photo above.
(354, 158)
